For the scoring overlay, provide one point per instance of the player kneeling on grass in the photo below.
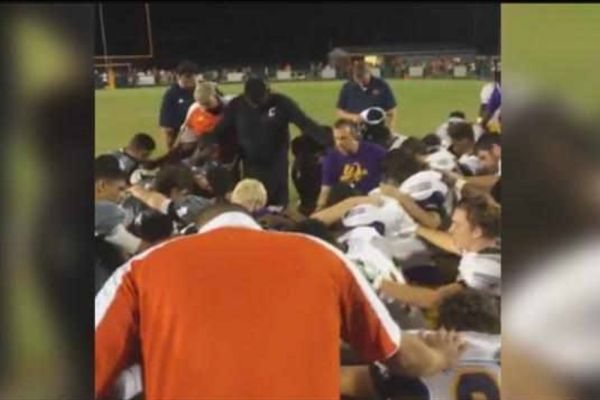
(477, 376)
(474, 235)
(252, 195)
(172, 195)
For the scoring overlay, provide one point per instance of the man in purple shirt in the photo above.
(352, 161)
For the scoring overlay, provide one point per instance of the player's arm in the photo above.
(168, 126)
(356, 118)
(389, 104)
(126, 241)
(390, 118)
(416, 295)
(373, 334)
(153, 199)
(419, 357)
(429, 219)
(116, 328)
(482, 182)
(438, 238)
(306, 125)
(333, 214)
(323, 196)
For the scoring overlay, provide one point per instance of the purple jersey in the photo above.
(495, 100)
(361, 170)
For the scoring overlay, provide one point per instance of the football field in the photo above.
(422, 106)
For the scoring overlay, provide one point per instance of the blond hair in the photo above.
(204, 91)
(250, 193)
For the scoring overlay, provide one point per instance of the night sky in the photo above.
(221, 34)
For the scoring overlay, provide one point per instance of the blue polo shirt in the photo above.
(355, 98)
(175, 104)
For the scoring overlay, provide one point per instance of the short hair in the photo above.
(458, 114)
(153, 226)
(210, 213)
(255, 88)
(461, 131)
(249, 191)
(481, 213)
(470, 310)
(204, 91)
(346, 123)
(220, 180)
(360, 68)
(398, 165)
(174, 176)
(340, 192)
(487, 141)
(107, 167)
(186, 67)
(142, 141)
(379, 134)
(431, 140)
(412, 147)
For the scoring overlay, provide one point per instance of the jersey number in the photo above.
(476, 386)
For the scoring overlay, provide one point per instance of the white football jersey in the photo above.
(442, 131)
(394, 220)
(477, 375)
(471, 162)
(423, 185)
(362, 248)
(442, 160)
(398, 239)
(482, 271)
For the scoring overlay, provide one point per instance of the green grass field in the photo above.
(423, 105)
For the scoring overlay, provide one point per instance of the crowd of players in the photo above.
(419, 218)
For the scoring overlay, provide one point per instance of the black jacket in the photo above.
(263, 132)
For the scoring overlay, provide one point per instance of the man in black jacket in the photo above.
(260, 120)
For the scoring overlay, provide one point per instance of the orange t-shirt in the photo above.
(238, 312)
(201, 121)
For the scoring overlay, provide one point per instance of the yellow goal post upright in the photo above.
(111, 63)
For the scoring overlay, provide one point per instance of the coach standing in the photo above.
(260, 121)
(177, 100)
(364, 91)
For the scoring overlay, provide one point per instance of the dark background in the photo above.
(219, 34)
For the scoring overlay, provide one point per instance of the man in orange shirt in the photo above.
(238, 312)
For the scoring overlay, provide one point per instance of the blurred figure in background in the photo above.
(551, 254)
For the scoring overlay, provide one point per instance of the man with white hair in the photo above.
(250, 194)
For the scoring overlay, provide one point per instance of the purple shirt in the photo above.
(361, 170)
